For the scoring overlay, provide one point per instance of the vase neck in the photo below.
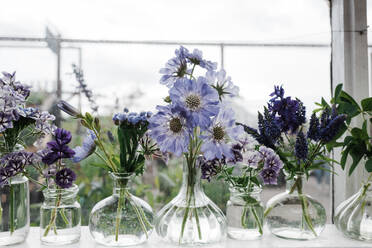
(120, 182)
(191, 175)
(295, 185)
(245, 197)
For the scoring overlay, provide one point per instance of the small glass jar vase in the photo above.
(14, 211)
(244, 212)
(60, 216)
(353, 217)
(191, 218)
(295, 215)
(121, 219)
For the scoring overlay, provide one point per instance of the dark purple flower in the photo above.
(22, 90)
(313, 132)
(4, 176)
(209, 168)
(65, 178)
(57, 151)
(50, 171)
(237, 153)
(301, 146)
(62, 136)
(289, 113)
(269, 176)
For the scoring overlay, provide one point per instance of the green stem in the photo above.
(118, 213)
(12, 206)
(141, 217)
(52, 222)
(304, 204)
(258, 221)
(243, 218)
(63, 215)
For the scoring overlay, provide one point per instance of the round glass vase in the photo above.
(14, 211)
(191, 218)
(295, 215)
(60, 216)
(244, 212)
(353, 217)
(121, 219)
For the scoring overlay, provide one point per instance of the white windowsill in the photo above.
(329, 238)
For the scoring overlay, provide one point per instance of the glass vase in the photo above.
(14, 211)
(353, 217)
(295, 215)
(191, 218)
(121, 219)
(60, 216)
(244, 212)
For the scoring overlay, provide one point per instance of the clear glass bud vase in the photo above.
(295, 215)
(191, 218)
(14, 211)
(244, 212)
(353, 217)
(121, 219)
(60, 216)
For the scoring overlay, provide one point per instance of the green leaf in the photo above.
(369, 165)
(345, 97)
(324, 103)
(367, 104)
(338, 91)
(356, 153)
(345, 153)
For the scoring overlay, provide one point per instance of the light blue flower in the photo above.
(196, 58)
(168, 127)
(175, 68)
(222, 83)
(197, 98)
(219, 136)
(86, 149)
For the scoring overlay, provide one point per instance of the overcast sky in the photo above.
(118, 70)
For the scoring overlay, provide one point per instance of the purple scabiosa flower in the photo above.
(314, 129)
(65, 178)
(175, 68)
(222, 84)
(301, 146)
(5, 121)
(273, 162)
(197, 98)
(62, 136)
(223, 130)
(196, 58)
(87, 148)
(269, 176)
(168, 127)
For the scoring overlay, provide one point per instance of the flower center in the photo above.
(218, 133)
(175, 125)
(193, 102)
(181, 70)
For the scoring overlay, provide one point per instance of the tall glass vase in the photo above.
(244, 212)
(60, 216)
(295, 215)
(191, 218)
(121, 219)
(14, 211)
(353, 217)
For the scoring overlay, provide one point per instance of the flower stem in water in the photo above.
(118, 213)
(12, 210)
(52, 222)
